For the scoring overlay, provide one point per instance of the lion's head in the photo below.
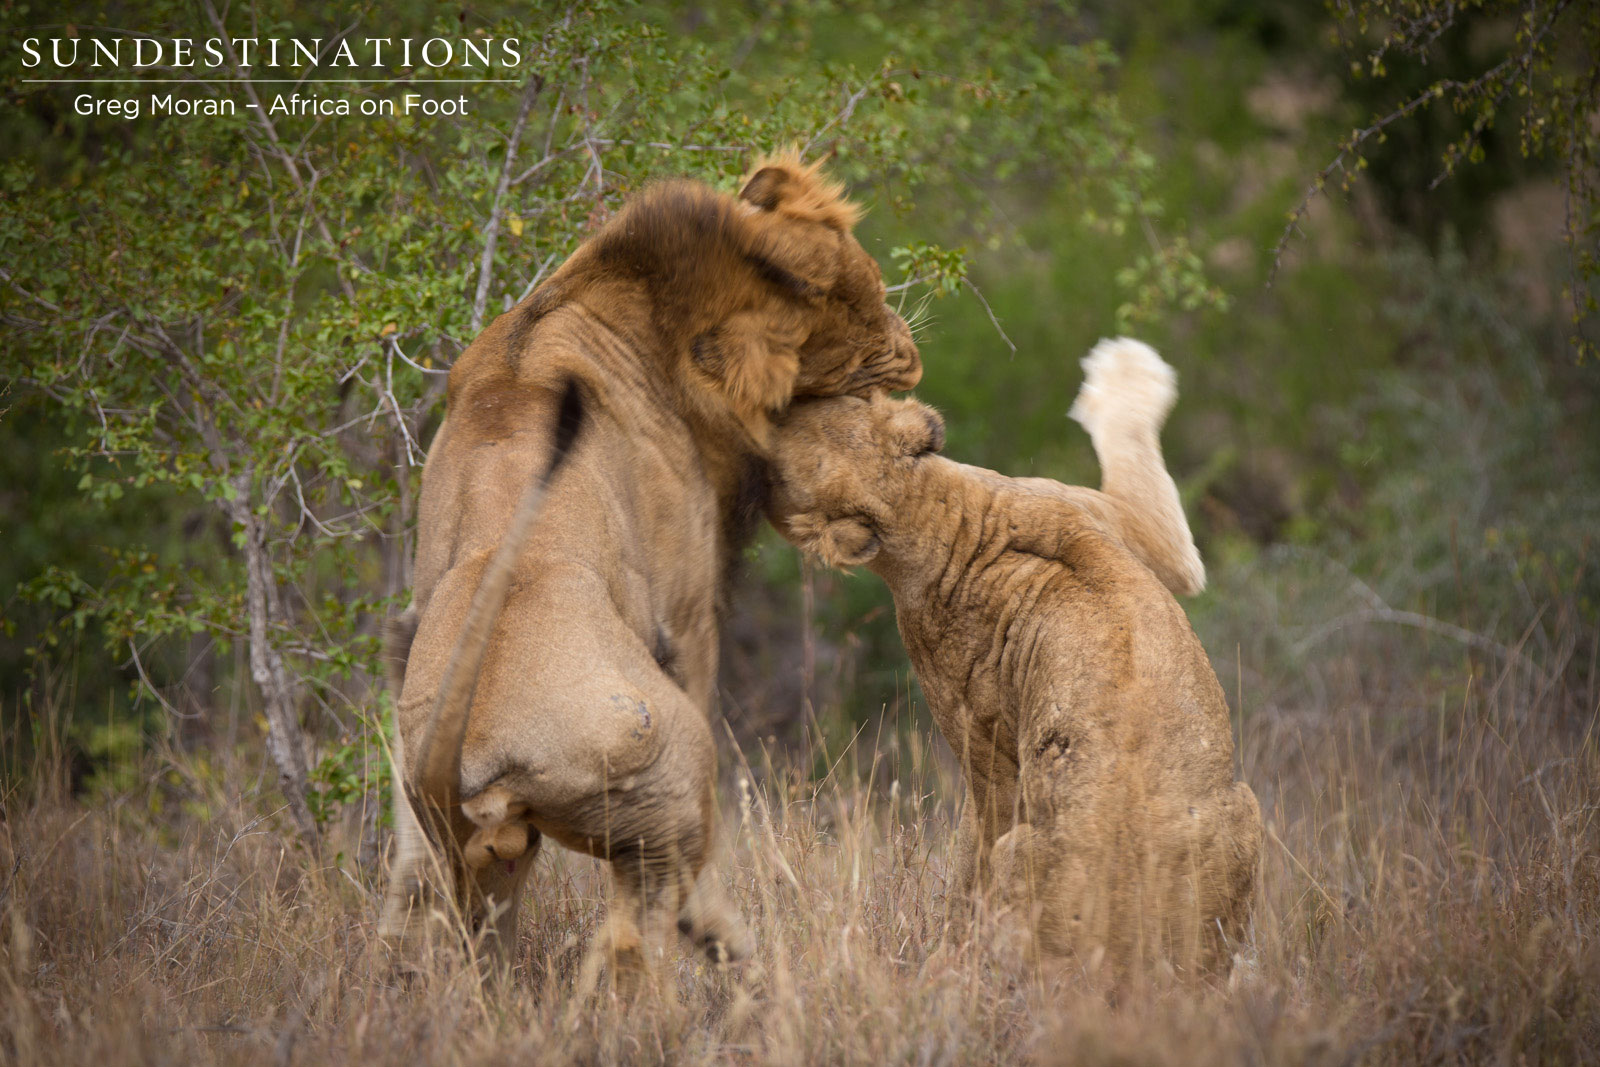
(741, 303)
(843, 469)
(855, 343)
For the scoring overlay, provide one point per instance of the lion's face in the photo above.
(843, 469)
(857, 342)
(795, 306)
(803, 245)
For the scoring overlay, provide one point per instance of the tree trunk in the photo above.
(397, 579)
(285, 739)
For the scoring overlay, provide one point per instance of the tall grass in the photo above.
(1429, 893)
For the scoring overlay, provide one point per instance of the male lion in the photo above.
(556, 667)
(1092, 733)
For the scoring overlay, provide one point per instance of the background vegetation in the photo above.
(223, 347)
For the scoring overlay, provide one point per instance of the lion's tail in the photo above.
(437, 770)
(1127, 393)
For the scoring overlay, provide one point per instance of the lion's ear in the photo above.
(785, 186)
(843, 542)
(752, 359)
(795, 231)
(764, 188)
(915, 429)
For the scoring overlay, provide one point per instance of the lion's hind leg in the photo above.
(404, 899)
(407, 897)
(1231, 878)
(659, 835)
(711, 922)
(619, 946)
(1207, 875)
(647, 887)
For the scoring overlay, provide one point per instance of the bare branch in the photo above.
(274, 142)
(491, 231)
(1523, 58)
(844, 113)
(990, 311)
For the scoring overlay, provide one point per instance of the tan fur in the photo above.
(689, 320)
(1093, 735)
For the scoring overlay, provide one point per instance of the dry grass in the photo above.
(1430, 893)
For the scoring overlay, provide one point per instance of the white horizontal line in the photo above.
(272, 81)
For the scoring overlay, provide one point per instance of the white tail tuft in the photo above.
(1125, 386)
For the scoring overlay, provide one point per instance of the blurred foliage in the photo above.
(1456, 76)
(246, 319)
(199, 373)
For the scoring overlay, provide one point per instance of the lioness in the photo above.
(564, 690)
(1092, 733)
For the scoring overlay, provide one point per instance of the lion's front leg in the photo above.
(1039, 887)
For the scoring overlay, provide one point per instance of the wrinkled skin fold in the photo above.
(685, 323)
(1093, 735)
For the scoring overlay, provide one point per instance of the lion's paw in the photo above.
(716, 929)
